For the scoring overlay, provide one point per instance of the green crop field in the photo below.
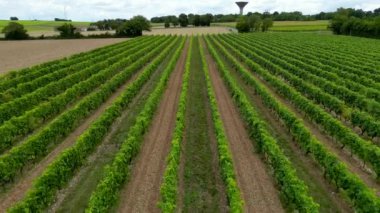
(42, 26)
(256, 122)
(290, 25)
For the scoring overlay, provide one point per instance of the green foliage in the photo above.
(15, 31)
(266, 24)
(355, 22)
(253, 23)
(206, 19)
(183, 21)
(63, 168)
(22, 125)
(13, 78)
(175, 21)
(68, 31)
(133, 27)
(197, 21)
(167, 23)
(169, 186)
(191, 18)
(365, 150)
(360, 195)
(106, 193)
(293, 189)
(37, 146)
(242, 25)
(235, 201)
(346, 81)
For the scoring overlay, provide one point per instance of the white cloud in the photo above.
(88, 10)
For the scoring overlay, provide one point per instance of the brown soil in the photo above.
(18, 190)
(20, 54)
(142, 192)
(257, 187)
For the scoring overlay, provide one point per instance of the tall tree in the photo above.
(183, 21)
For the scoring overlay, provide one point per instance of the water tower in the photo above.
(241, 5)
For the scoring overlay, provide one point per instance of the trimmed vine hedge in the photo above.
(106, 192)
(367, 151)
(18, 106)
(56, 75)
(58, 173)
(292, 188)
(12, 79)
(20, 126)
(235, 201)
(169, 186)
(323, 91)
(362, 197)
(38, 145)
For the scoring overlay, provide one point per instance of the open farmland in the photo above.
(42, 26)
(263, 122)
(21, 54)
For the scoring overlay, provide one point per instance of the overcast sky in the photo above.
(92, 10)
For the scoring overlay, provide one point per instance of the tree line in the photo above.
(123, 27)
(185, 20)
(276, 16)
(356, 22)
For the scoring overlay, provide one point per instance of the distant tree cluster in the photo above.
(356, 22)
(109, 24)
(133, 27)
(275, 16)
(13, 18)
(184, 20)
(206, 19)
(61, 19)
(124, 27)
(15, 31)
(68, 31)
(253, 23)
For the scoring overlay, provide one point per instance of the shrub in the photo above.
(68, 31)
(183, 21)
(15, 31)
(267, 23)
(133, 27)
(242, 25)
(167, 24)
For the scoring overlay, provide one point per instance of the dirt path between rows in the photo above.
(19, 189)
(257, 187)
(142, 192)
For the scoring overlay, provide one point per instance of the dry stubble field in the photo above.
(20, 54)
